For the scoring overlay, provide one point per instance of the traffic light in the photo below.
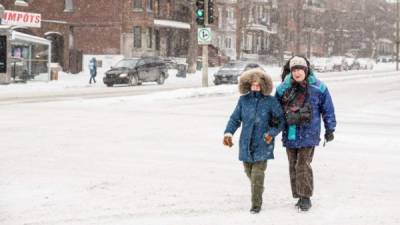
(200, 12)
(210, 11)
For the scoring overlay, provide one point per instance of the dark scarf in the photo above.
(256, 94)
(295, 97)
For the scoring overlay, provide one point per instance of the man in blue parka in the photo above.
(261, 117)
(93, 70)
(304, 100)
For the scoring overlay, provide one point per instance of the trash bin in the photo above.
(53, 74)
(182, 68)
(54, 70)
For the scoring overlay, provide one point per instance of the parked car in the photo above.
(384, 59)
(365, 63)
(321, 64)
(352, 63)
(250, 66)
(339, 63)
(229, 73)
(170, 63)
(135, 71)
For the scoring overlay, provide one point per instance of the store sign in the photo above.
(21, 19)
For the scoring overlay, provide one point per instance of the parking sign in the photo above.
(204, 36)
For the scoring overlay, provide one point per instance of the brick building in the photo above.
(301, 29)
(246, 28)
(131, 28)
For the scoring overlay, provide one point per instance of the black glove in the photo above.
(274, 122)
(329, 136)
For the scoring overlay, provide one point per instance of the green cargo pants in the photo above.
(256, 173)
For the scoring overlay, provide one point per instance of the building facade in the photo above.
(131, 28)
(246, 28)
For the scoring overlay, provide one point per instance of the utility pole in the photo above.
(397, 35)
(205, 49)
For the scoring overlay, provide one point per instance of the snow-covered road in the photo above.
(159, 160)
(75, 87)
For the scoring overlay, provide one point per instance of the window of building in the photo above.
(68, 5)
(157, 7)
(228, 42)
(150, 37)
(137, 37)
(21, 2)
(150, 5)
(137, 4)
(230, 13)
(157, 34)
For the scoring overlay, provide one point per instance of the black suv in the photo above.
(135, 71)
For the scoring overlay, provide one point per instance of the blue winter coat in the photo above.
(318, 96)
(93, 67)
(255, 111)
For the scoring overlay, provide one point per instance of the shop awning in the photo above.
(18, 36)
(172, 24)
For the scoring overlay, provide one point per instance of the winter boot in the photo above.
(298, 203)
(305, 203)
(255, 209)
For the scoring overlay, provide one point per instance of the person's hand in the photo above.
(268, 138)
(329, 136)
(228, 141)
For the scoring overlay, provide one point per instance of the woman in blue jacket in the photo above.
(262, 119)
(304, 100)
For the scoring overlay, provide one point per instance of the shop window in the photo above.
(3, 54)
(137, 37)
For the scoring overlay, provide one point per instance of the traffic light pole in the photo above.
(205, 50)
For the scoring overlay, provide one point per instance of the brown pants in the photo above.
(256, 173)
(301, 174)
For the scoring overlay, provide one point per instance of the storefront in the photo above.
(23, 57)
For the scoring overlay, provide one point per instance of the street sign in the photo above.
(204, 36)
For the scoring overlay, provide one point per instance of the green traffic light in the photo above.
(200, 13)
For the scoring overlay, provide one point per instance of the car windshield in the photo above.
(127, 63)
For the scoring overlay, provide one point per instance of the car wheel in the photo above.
(109, 84)
(133, 80)
(161, 79)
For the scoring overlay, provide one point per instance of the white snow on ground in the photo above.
(158, 159)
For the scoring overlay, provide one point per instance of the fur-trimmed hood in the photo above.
(255, 75)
